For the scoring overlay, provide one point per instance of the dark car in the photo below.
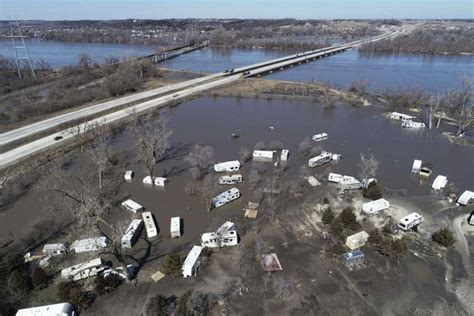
(56, 138)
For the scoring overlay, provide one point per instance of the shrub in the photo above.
(328, 216)
(444, 237)
(173, 264)
(160, 305)
(39, 278)
(183, 309)
(336, 249)
(73, 293)
(373, 191)
(349, 219)
(336, 227)
(106, 284)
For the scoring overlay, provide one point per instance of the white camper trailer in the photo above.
(400, 116)
(350, 183)
(375, 207)
(412, 124)
(54, 250)
(84, 270)
(61, 309)
(157, 181)
(263, 154)
(150, 226)
(89, 244)
(228, 166)
(225, 197)
(129, 175)
(321, 159)
(416, 166)
(231, 179)
(439, 182)
(284, 155)
(132, 206)
(320, 137)
(356, 241)
(191, 263)
(175, 227)
(410, 221)
(225, 235)
(132, 233)
(465, 198)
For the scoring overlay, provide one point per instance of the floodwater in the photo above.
(210, 121)
(59, 54)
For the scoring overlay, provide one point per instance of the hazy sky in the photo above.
(157, 9)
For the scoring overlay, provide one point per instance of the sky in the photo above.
(299, 9)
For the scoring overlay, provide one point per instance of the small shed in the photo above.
(353, 259)
(416, 166)
(357, 240)
(251, 210)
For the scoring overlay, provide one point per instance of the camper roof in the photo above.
(193, 256)
(466, 197)
(47, 310)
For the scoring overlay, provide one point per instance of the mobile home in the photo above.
(133, 232)
(157, 181)
(400, 116)
(89, 244)
(321, 159)
(412, 124)
(84, 270)
(231, 179)
(61, 309)
(440, 182)
(225, 197)
(320, 137)
(228, 166)
(410, 221)
(416, 166)
(175, 227)
(54, 250)
(150, 226)
(375, 207)
(263, 154)
(191, 263)
(284, 155)
(132, 206)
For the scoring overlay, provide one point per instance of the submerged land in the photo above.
(75, 191)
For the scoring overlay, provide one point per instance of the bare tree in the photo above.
(4, 179)
(199, 159)
(463, 107)
(328, 99)
(434, 105)
(359, 87)
(206, 189)
(260, 145)
(305, 146)
(368, 166)
(153, 140)
(245, 154)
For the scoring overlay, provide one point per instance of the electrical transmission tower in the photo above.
(21, 53)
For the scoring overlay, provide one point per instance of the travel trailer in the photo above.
(374, 207)
(412, 124)
(284, 155)
(129, 175)
(89, 244)
(175, 227)
(465, 198)
(228, 166)
(150, 226)
(321, 159)
(225, 235)
(350, 183)
(54, 250)
(470, 219)
(132, 206)
(263, 154)
(416, 166)
(440, 182)
(157, 181)
(410, 221)
(225, 197)
(84, 270)
(191, 263)
(133, 232)
(320, 137)
(231, 179)
(61, 309)
(400, 116)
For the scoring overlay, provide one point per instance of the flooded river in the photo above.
(210, 121)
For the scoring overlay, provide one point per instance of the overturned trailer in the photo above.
(89, 244)
(225, 235)
(225, 197)
(84, 270)
(227, 166)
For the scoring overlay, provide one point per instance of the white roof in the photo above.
(440, 182)
(417, 164)
(401, 115)
(81, 266)
(375, 206)
(222, 166)
(53, 247)
(320, 136)
(323, 155)
(411, 217)
(227, 226)
(175, 223)
(89, 244)
(131, 204)
(60, 309)
(263, 153)
(466, 197)
(131, 229)
(192, 257)
(149, 224)
(225, 196)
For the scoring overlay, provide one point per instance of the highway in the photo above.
(161, 96)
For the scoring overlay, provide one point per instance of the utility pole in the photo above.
(21, 53)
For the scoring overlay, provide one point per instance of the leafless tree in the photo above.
(359, 87)
(245, 154)
(305, 146)
(368, 166)
(275, 145)
(206, 189)
(461, 102)
(434, 105)
(4, 179)
(199, 159)
(153, 139)
(328, 99)
(260, 145)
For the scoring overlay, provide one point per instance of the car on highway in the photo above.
(58, 137)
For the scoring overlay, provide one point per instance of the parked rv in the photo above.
(320, 137)
(350, 183)
(465, 198)
(150, 226)
(89, 244)
(132, 206)
(357, 240)
(321, 159)
(284, 155)
(84, 270)
(191, 263)
(400, 116)
(227, 166)
(231, 179)
(440, 182)
(225, 197)
(410, 221)
(263, 154)
(412, 124)
(133, 232)
(416, 166)
(157, 181)
(54, 250)
(225, 235)
(374, 207)
(61, 309)
(175, 227)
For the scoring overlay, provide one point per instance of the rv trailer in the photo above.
(410, 221)
(230, 179)
(84, 270)
(150, 225)
(320, 137)
(439, 182)
(132, 206)
(132, 233)
(175, 227)
(374, 207)
(225, 197)
(191, 263)
(228, 166)
(284, 155)
(157, 181)
(263, 154)
(89, 244)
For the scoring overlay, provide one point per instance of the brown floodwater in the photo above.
(211, 121)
